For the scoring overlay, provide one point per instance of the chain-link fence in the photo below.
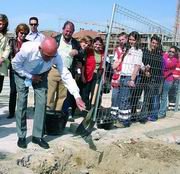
(146, 82)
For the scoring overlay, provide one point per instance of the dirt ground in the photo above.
(107, 155)
(149, 148)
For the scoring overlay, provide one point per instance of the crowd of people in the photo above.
(63, 72)
(143, 73)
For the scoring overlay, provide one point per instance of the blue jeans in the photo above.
(173, 92)
(124, 94)
(163, 105)
(115, 94)
(151, 100)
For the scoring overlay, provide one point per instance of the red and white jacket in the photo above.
(116, 75)
(176, 72)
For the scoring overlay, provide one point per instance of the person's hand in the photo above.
(131, 83)
(147, 71)
(80, 104)
(73, 53)
(36, 79)
(147, 74)
(147, 67)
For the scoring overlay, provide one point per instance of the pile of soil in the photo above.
(95, 157)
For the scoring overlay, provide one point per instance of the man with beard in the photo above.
(68, 48)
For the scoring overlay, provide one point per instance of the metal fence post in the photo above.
(177, 98)
(104, 62)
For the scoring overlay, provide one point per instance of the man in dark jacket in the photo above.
(151, 80)
(68, 48)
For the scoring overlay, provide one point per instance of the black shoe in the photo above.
(22, 143)
(42, 143)
(126, 123)
(133, 119)
(143, 120)
(10, 116)
(71, 119)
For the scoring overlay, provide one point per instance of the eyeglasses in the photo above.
(33, 24)
(23, 33)
(49, 56)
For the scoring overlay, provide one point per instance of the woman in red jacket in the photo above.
(92, 69)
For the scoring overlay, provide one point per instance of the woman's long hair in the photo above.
(4, 18)
(137, 37)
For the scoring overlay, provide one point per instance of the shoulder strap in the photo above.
(118, 53)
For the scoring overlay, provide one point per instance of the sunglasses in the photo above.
(23, 33)
(33, 24)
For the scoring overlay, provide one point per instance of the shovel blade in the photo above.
(86, 126)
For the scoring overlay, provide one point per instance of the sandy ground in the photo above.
(141, 149)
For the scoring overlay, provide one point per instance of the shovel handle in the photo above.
(95, 94)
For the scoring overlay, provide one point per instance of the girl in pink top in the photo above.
(170, 63)
(176, 72)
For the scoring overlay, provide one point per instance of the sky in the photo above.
(53, 13)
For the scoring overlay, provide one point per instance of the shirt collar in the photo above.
(62, 39)
(33, 33)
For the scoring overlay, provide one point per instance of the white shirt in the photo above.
(133, 57)
(35, 37)
(28, 61)
(64, 49)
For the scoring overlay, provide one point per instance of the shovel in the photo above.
(86, 126)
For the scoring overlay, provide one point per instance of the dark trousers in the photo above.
(136, 95)
(13, 93)
(69, 102)
(1, 83)
(40, 90)
(87, 90)
(151, 100)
